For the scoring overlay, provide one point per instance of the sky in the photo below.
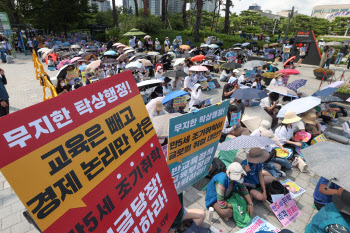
(303, 6)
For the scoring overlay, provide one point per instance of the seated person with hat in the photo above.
(333, 217)
(312, 126)
(221, 188)
(254, 180)
(158, 110)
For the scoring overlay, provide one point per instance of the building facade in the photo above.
(156, 7)
(330, 12)
(256, 8)
(175, 6)
(102, 6)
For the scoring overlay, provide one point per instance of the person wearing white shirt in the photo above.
(139, 44)
(189, 82)
(167, 88)
(286, 51)
(225, 75)
(196, 97)
(132, 41)
(242, 79)
(159, 73)
(177, 84)
(167, 42)
(186, 69)
(110, 72)
(201, 77)
(298, 126)
(277, 80)
(285, 131)
(158, 110)
(269, 104)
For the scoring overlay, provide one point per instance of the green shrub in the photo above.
(345, 88)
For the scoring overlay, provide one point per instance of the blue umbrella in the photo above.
(111, 53)
(269, 50)
(248, 94)
(325, 92)
(295, 85)
(172, 95)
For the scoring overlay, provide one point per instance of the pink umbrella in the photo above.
(62, 63)
(302, 136)
(198, 68)
(121, 46)
(289, 71)
(336, 84)
(75, 59)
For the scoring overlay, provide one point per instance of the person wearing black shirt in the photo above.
(229, 88)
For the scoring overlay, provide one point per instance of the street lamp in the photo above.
(347, 29)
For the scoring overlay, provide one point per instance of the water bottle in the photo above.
(295, 162)
(215, 230)
(211, 213)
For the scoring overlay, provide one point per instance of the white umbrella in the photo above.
(47, 52)
(43, 49)
(75, 46)
(213, 46)
(253, 116)
(135, 64)
(128, 48)
(237, 48)
(178, 61)
(282, 90)
(245, 44)
(93, 65)
(198, 68)
(129, 51)
(153, 53)
(299, 105)
(204, 45)
(336, 84)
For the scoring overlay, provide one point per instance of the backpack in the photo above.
(275, 188)
(217, 166)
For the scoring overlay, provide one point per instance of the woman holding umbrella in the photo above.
(196, 97)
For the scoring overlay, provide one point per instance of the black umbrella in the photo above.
(219, 43)
(330, 98)
(231, 65)
(253, 42)
(110, 61)
(175, 73)
(184, 55)
(238, 44)
(198, 52)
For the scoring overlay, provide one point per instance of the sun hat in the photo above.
(290, 117)
(234, 171)
(257, 155)
(310, 118)
(159, 106)
(264, 125)
(232, 80)
(269, 134)
(342, 202)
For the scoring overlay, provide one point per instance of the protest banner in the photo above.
(285, 210)
(193, 139)
(319, 138)
(204, 85)
(82, 69)
(72, 74)
(235, 118)
(90, 161)
(255, 103)
(259, 224)
(329, 114)
(294, 189)
(250, 73)
(179, 102)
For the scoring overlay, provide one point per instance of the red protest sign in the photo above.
(90, 160)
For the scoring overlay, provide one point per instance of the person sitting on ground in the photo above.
(229, 88)
(257, 83)
(196, 97)
(158, 110)
(167, 88)
(255, 181)
(333, 217)
(273, 166)
(323, 195)
(269, 103)
(277, 80)
(242, 79)
(178, 84)
(312, 125)
(225, 75)
(285, 131)
(159, 74)
(197, 215)
(61, 87)
(222, 186)
(230, 128)
(189, 82)
(332, 108)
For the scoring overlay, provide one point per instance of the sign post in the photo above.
(90, 161)
(193, 139)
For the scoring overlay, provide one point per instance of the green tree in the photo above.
(227, 16)
(339, 25)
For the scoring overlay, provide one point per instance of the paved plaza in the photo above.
(25, 90)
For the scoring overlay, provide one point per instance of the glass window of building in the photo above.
(318, 11)
(335, 10)
(343, 10)
(326, 10)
